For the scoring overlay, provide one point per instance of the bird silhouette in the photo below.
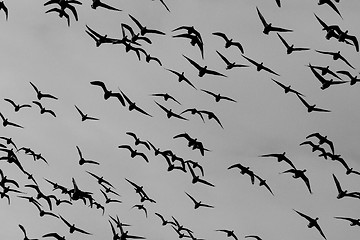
(297, 173)
(97, 3)
(85, 116)
(194, 40)
(280, 157)
(190, 30)
(268, 26)
(108, 199)
(244, 170)
(353, 79)
(73, 228)
(288, 88)
(40, 94)
(137, 140)
(229, 233)
(82, 160)
(108, 93)
(54, 235)
(210, 116)
(170, 113)
(290, 48)
(325, 70)
(353, 221)
(230, 65)
(197, 179)
(17, 107)
(229, 42)
(312, 222)
(100, 180)
(163, 221)
(166, 97)
(218, 96)
(181, 77)
(143, 29)
(312, 108)
(193, 111)
(140, 207)
(43, 109)
(260, 66)
(24, 232)
(132, 105)
(322, 139)
(6, 122)
(134, 152)
(324, 82)
(203, 70)
(336, 55)
(344, 193)
(198, 204)
(97, 37)
(330, 4)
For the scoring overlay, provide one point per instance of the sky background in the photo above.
(63, 60)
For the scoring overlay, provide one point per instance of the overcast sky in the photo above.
(63, 60)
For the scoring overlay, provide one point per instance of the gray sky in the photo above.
(63, 60)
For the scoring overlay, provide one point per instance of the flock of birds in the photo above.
(135, 36)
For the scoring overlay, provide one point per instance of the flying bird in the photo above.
(108, 93)
(324, 82)
(194, 40)
(82, 160)
(330, 4)
(137, 140)
(322, 139)
(229, 233)
(344, 193)
(54, 235)
(297, 173)
(190, 30)
(100, 180)
(229, 42)
(218, 96)
(108, 199)
(260, 66)
(6, 122)
(97, 37)
(290, 48)
(353, 221)
(17, 107)
(72, 227)
(197, 179)
(244, 170)
(97, 3)
(41, 95)
(203, 70)
(43, 109)
(24, 232)
(336, 55)
(312, 222)
(353, 79)
(312, 108)
(85, 116)
(163, 221)
(210, 116)
(132, 105)
(134, 152)
(165, 96)
(280, 157)
(140, 207)
(181, 77)
(230, 65)
(170, 113)
(325, 70)
(143, 29)
(268, 26)
(198, 204)
(193, 111)
(287, 89)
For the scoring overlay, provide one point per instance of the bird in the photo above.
(353, 221)
(134, 152)
(197, 179)
(140, 207)
(260, 66)
(132, 105)
(193, 111)
(312, 222)
(268, 26)
(54, 235)
(290, 48)
(324, 82)
(6, 122)
(97, 3)
(17, 107)
(85, 116)
(100, 180)
(163, 3)
(64, 4)
(72, 227)
(137, 140)
(198, 204)
(108, 199)
(41, 95)
(134, 36)
(9, 141)
(322, 139)
(288, 88)
(190, 30)
(229, 42)
(192, 142)
(244, 170)
(312, 108)
(353, 79)
(43, 109)
(5, 9)
(336, 55)
(330, 4)
(218, 96)
(297, 173)
(344, 193)
(229, 233)
(325, 70)
(43, 213)
(98, 38)
(181, 77)
(166, 97)
(315, 147)
(343, 36)
(211, 115)
(82, 160)
(170, 113)
(280, 157)
(203, 70)
(149, 58)
(108, 93)
(61, 12)
(230, 65)
(163, 221)
(24, 232)
(143, 29)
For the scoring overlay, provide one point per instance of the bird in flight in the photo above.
(353, 221)
(137, 140)
(229, 233)
(330, 4)
(324, 82)
(336, 55)
(198, 204)
(297, 173)
(108, 93)
(134, 152)
(143, 29)
(98, 38)
(230, 65)
(97, 3)
(218, 96)
(312, 222)
(166, 97)
(41, 95)
(262, 182)
(72, 227)
(312, 108)
(260, 66)
(170, 113)
(268, 26)
(322, 139)
(43, 109)
(290, 48)
(133, 106)
(353, 79)
(181, 77)
(203, 70)
(287, 89)
(82, 160)
(280, 157)
(17, 107)
(6, 122)
(229, 42)
(85, 116)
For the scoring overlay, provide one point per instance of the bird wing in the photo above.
(270, 71)
(193, 63)
(250, 60)
(136, 22)
(261, 17)
(163, 3)
(10, 101)
(99, 83)
(223, 58)
(101, 4)
(36, 90)
(220, 34)
(337, 183)
(283, 41)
